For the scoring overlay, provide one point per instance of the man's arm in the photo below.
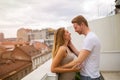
(81, 57)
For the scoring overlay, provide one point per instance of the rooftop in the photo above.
(11, 67)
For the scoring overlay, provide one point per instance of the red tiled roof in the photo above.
(6, 55)
(40, 46)
(2, 48)
(13, 43)
(30, 50)
(13, 55)
(20, 53)
(7, 67)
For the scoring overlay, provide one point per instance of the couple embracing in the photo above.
(67, 60)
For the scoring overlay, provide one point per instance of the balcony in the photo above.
(108, 30)
(43, 73)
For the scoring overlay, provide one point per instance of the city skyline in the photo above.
(39, 14)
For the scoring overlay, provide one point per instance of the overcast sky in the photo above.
(39, 14)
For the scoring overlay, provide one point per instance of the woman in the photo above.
(61, 55)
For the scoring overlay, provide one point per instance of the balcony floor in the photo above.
(111, 75)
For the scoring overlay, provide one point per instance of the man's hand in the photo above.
(70, 43)
(77, 66)
(76, 69)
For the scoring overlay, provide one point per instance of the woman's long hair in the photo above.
(58, 40)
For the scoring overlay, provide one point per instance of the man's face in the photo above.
(77, 28)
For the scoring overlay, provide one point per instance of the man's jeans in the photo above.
(88, 78)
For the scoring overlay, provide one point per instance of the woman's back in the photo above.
(68, 75)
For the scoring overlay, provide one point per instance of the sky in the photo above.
(40, 14)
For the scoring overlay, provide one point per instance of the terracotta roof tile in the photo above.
(6, 55)
(40, 46)
(8, 66)
(30, 50)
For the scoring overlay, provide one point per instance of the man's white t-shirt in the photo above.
(90, 67)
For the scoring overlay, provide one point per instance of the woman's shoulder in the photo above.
(64, 48)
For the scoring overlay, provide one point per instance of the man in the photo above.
(89, 55)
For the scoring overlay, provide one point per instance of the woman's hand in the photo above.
(77, 66)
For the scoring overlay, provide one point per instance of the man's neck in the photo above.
(86, 31)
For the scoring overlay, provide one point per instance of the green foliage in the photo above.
(77, 76)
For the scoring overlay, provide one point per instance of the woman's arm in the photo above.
(64, 70)
(81, 57)
(70, 64)
(55, 67)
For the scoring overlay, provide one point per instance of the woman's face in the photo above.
(67, 35)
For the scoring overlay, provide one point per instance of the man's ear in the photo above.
(82, 24)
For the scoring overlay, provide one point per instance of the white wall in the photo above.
(110, 61)
(108, 30)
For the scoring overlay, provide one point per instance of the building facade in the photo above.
(29, 35)
(23, 34)
(1, 37)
